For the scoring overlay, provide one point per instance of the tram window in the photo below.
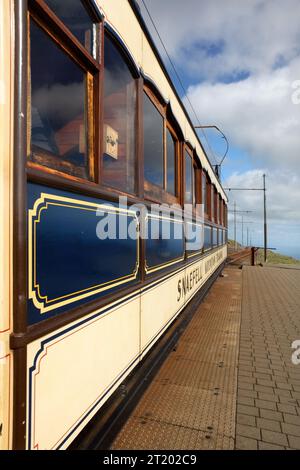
(75, 16)
(217, 207)
(153, 144)
(208, 197)
(188, 179)
(58, 107)
(207, 238)
(215, 237)
(212, 202)
(221, 211)
(171, 163)
(120, 107)
(204, 194)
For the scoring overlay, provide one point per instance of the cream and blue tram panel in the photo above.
(91, 131)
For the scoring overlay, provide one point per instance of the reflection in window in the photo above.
(171, 162)
(188, 179)
(212, 202)
(204, 194)
(58, 108)
(153, 143)
(215, 237)
(207, 210)
(75, 17)
(207, 238)
(119, 121)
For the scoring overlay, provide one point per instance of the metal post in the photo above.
(235, 247)
(265, 220)
(242, 230)
(252, 256)
(247, 236)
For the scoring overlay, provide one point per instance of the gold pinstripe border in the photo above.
(157, 267)
(42, 302)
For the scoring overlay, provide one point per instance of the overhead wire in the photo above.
(179, 79)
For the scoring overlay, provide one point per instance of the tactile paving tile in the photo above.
(191, 403)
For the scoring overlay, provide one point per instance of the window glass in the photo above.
(194, 184)
(212, 199)
(119, 121)
(189, 176)
(207, 209)
(204, 195)
(171, 163)
(215, 236)
(58, 107)
(153, 143)
(75, 16)
(207, 238)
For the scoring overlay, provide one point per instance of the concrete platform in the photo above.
(230, 383)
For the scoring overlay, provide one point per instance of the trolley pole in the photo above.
(265, 219)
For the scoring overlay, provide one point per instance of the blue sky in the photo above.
(239, 62)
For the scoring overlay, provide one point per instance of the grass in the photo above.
(276, 258)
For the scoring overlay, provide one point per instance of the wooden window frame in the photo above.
(54, 28)
(152, 191)
(138, 190)
(220, 210)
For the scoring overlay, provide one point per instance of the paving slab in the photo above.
(191, 403)
(270, 322)
(230, 383)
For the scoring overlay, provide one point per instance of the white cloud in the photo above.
(283, 207)
(259, 39)
(257, 114)
(255, 34)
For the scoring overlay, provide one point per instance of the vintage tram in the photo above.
(88, 113)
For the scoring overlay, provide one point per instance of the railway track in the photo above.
(238, 255)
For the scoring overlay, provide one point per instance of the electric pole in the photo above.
(264, 189)
(242, 230)
(265, 220)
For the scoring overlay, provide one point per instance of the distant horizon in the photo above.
(294, 252)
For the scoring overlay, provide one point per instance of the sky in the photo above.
(239, 62)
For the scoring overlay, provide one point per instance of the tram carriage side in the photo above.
(88, 114)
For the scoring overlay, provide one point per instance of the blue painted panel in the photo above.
(68, 264)
(164, 246)
(207, 238)
(194, 237)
